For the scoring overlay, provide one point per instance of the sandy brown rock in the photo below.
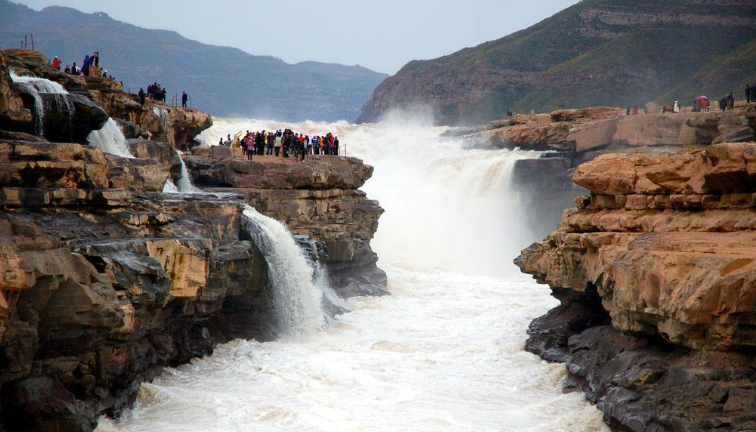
(316, 172)
(664, 247)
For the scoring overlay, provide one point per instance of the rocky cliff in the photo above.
(160, 122)
(654, 271)
(597, 52)
(571, 137)
(104, 280)
(319, 198)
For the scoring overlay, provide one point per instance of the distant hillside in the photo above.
(223, 81)
(598, 52)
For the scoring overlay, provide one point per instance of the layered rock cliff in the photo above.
(655, 274)
(160, 122)
(104, 280)
(319, 198)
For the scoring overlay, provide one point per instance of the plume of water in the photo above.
(185, 181)
(110, 139)
(298, 302)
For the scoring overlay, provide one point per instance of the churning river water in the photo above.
(443, 353)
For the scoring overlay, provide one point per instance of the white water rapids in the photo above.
(443, 353)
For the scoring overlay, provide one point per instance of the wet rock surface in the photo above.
(318, 198)
(654, 271)
(104, 280)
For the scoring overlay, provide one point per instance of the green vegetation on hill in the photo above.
(223, 81)
(598, 52)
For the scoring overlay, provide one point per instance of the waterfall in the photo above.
(110, 139)
(37, 86)
(297, 301)
(170, 187)
(185, 181)
(184, 185)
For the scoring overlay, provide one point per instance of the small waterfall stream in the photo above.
(184, 185)
(110, 139)
(37, 87)
(298, 302)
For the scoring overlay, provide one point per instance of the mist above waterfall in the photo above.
(449, 206)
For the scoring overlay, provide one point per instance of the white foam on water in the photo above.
(170, 187)
(185, 181)
(443, 353)
(110, 139)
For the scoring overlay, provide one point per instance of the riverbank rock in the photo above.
(318, 198)
(655, 274)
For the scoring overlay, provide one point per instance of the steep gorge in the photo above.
(104, 280)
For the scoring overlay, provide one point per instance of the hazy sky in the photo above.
(381, 35)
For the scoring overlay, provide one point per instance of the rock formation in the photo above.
(160, 122)
(104, 280)
(318, 198)
(655, 271)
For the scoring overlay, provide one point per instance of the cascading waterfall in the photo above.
(184, 185)
(443, 353)
(38, 86)
(298, 302)
(110, 139)
(185, 181)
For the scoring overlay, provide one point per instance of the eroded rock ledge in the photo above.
(655, 272)
(318, 198)
(104, 280)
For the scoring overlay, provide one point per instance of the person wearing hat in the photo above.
(56, 63)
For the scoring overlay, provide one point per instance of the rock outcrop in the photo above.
(160, 122)
(655, 272)
(318, 198)
(104, 280)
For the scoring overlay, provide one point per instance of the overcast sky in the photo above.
(381, 35)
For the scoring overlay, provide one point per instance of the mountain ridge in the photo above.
(597, 52)
(224, 81)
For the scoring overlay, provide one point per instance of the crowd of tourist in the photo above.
(727, 102)
(156, 92)
(89, 67)
(282, 143)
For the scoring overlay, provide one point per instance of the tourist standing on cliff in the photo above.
(336, 146)
(85, 65)
(184, 99)
(749, 93)
(277, 143)
(142, 96)
(57, 63)
(249, 146)
(271, 140)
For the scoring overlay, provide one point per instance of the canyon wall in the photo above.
(654, 271)
(105, 280)
(318, 198)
